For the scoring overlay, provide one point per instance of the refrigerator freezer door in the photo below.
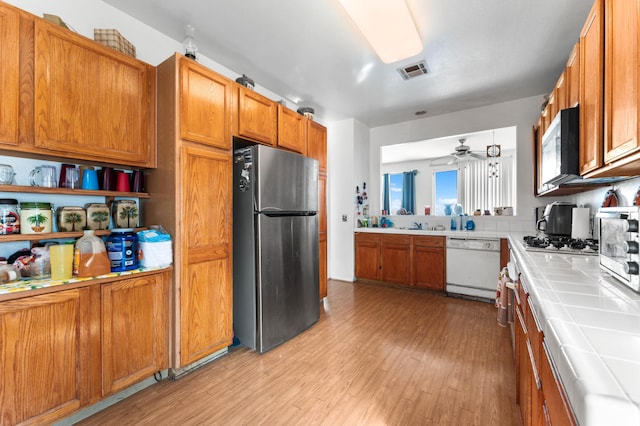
(285, 181)
(288, 287)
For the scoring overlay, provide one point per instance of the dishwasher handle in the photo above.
(473, 244)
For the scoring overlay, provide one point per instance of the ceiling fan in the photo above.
(462, 153)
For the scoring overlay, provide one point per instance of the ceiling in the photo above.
(479, 52)
(440, 147)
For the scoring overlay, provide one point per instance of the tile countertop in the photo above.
(591, 325)
(445, 233)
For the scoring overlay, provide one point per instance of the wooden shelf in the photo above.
(67, 191)
(53, 235)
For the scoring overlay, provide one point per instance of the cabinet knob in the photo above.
(631, 268)
(630, 247)
(631, 225)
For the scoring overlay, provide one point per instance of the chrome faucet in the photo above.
(417, 225)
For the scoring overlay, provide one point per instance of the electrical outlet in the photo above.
(344, 217)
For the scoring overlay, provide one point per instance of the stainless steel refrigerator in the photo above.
(275, 246)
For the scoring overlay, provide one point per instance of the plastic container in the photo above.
(90, 257)
(122, 249)
(35, 218)
(9, 217)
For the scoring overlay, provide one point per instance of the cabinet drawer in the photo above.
(396, 239)
(559, 410)
(367, 238)
(429, 241)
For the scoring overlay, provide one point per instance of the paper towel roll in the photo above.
(580, 222)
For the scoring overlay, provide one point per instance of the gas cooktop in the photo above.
(556, 244)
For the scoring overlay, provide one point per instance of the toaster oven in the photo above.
(619, 243)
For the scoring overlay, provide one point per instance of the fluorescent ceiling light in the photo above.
(388, 27)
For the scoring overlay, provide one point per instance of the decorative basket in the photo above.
(114, 39)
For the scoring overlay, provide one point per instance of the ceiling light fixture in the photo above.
(388, 27)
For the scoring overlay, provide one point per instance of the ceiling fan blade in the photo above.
(439, 161)
(478, 156)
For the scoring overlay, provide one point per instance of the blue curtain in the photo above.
(385, 193)
(409, 191)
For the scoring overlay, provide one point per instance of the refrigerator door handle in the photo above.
(282, 213)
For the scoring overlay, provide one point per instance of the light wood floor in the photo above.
(378, 356)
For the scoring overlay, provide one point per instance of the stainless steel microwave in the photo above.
(559, 158)
(620, 243)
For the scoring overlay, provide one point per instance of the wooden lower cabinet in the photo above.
(429, 267)
(135, 331)
(65, 350)
(408, 260)
(395, 259)
(367, 256)
(49, 351)
(539, 393)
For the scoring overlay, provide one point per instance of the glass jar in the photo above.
(35, 218)
(9, 218)
(71, 218)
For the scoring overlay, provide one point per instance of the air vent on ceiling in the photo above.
(413, 70)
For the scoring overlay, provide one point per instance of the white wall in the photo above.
(348, 159)
(522, 113)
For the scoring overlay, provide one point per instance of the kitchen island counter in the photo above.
(591, 326)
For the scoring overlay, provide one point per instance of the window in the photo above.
(445, 192)
(395, 192)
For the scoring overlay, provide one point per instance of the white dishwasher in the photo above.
(473, 265)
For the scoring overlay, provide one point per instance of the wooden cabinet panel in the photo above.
(205, 105)
(9, 74)
(395, 259)
(92, 102)
(558, 408)
(317, 144)
(591, 89)
(429, 241)
(191, 195)
(573, 77)
(429, 267)
(323, 266)
(367, 256)
(135, 330)
(206, 309)
(49, 346)
(622, 79)
(292, 130)
(560, 94)
(206, 276)
(257, 117)
(524, 372)
(322, 227)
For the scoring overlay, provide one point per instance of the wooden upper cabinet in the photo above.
(622, 78)
(317, 144)
(135, 330)
(9, 74)
(92, 102)
(48, 351)
(560, 94)
(257, 117)
(591, 89)
(573, 77)
(292, 130)
(205, 105)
